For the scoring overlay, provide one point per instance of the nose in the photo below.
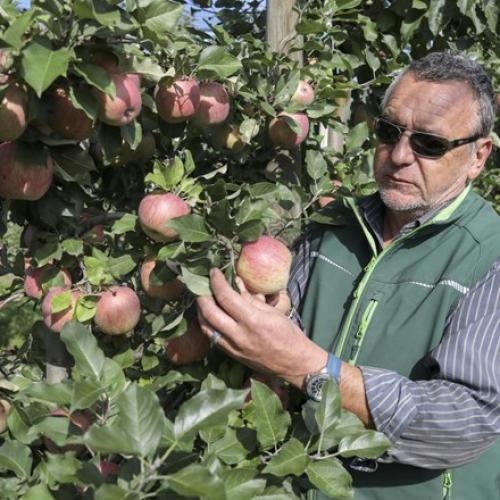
(402, 152)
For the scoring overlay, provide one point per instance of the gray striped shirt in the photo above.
(449, 420)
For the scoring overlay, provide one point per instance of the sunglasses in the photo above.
(422, 143)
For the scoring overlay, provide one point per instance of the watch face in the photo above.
(315, 385)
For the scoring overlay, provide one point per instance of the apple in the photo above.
(264, 265)
(156, 209)
(171, 290)
(35, 276)
(13, 112)
(118, 310)
(4, 413)
(56, 321)
(25, 174)
(178, 101)
(188, 348)
(304, 94)
(64, 118)
(126, 105)
(282, 134)
(108, 469)
(214, 104)
(228, 137)
(498, 101)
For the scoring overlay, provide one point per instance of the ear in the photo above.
(482, 151)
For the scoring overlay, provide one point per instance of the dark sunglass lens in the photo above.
(428, 145)
(387, 132)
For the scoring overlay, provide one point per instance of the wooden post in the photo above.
(280, 27)
(281, 35)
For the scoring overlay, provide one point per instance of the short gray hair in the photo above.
(454, 66)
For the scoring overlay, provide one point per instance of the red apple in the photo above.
(214, 104)
(178, 101)
(264, 265)
(304, 94)
(118, 310)
(156, 209)
(13, 112)
(171, 290)
(56, 321)
(108, 469)
(25, 172)
(498, 101)
(64, 118)
(126, 105)
(282, 134)
(188, 348)
(35, 276)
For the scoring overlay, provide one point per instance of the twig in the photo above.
(4, 302)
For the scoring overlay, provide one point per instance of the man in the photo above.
(405, 290)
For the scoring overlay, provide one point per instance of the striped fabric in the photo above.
(449, 420)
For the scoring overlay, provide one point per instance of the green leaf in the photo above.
(73, 164)
(137, 428)
(366, 444)
(174, 172)
(435, 15)
(107, 15)
(89, 358)
(192, 228)
(271, 420)
(72, 247)
(208, 407)
(315, 164)
(240, 483)
(306, 27)
(229, 448)
(161, 16)
(38, 492)
(15, 34)
(291, 459)
(199, 285)
(328, 414)
(85, 394)
(85, 308)
(97, 77)
(41, 65)
(330, 477)
(59, 393)
(120, 266)
(16, 457)
(357, 136)
(60, 302)
(218, 60)
(348, 424)
(114, 492)
(125, 225)
(196, 480)
(60, 469)
(251, 230)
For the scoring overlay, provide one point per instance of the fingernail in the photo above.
(212, 272)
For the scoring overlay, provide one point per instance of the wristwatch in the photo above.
(316, 381)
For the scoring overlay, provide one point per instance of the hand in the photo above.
(258, 334)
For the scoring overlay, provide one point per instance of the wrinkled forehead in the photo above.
(444, 107)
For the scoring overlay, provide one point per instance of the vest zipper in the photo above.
(363, 327)
(447, 484)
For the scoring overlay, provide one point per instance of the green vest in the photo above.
(388, 308)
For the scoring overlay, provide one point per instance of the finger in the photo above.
(236, 306)
(280, 301)
(212, 315)
(246, 294)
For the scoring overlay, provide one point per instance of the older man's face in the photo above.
(408, 182)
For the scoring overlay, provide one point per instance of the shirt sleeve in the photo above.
(449, 420)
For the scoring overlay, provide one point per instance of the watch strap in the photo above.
(333, 367)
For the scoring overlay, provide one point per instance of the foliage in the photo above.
(195, 430)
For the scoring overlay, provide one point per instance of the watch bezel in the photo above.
(315, 383)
